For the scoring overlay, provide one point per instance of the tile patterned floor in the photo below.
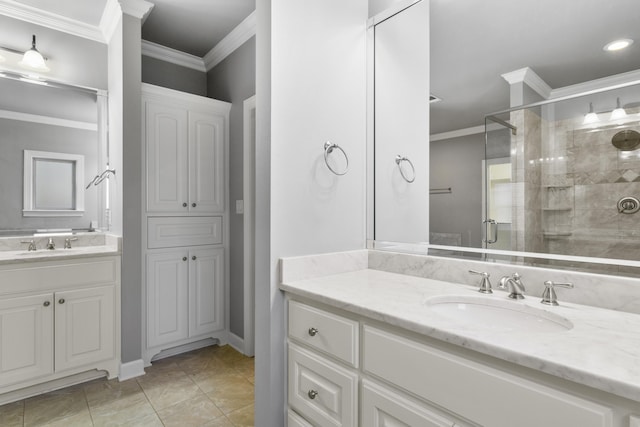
(211, 387)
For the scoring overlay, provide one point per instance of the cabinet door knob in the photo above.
(47, 303)
(184, 205)
(61, 301)
(184, 258)
(313, 332)
(193, 205)
(194, 257)
(312, 394)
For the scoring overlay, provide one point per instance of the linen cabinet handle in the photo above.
(184, 205)
(47, 303)
(61, 301)
(313, 332)
(194, 257)
(184, 258)
(312, 394)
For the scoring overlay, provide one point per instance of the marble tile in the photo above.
(82, 419)
(54, 406)
(122, 410)
(193, 412)
(163, 393)
(242, 417)
(150, 420)
(231, 392)
(219, 422)
(12, 414)
(103, 392)
(300, 268)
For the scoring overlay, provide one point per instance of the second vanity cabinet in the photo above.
(342, 367)
(58, 319)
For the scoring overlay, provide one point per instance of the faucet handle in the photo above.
(485, 284)
(32, 244)
(67, 242)
(549, 296)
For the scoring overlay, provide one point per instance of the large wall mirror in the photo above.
(53, 142)
(538, 184)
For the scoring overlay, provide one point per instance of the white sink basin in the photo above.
(493, 314)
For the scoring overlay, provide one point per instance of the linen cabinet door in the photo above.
(206, 163)
(167, 159)
(206, 291)
(167, 297)
(26, 338)
(85, 326)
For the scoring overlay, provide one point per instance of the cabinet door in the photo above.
(206, 163)
(206, 291)
(167, 297)
(167, 159)
(85, 326)
(26, 338)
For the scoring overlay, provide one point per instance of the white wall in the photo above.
(317, 92)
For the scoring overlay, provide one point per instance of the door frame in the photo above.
(249, 197)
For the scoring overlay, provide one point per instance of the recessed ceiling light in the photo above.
(618, 44)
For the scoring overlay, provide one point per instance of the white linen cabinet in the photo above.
(186, 235)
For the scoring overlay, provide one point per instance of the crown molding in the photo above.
(137, 8)
(23, 12)
(163, 53)
(610, 82)
(527, 76)
(236, 38)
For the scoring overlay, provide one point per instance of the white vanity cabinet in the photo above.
(58, 319)
(406, 379)
(185, 138)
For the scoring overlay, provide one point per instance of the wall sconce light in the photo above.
(33, 59)
(591, 117)
(619, 112)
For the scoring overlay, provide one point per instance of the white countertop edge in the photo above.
(620, 385)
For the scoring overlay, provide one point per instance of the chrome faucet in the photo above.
(51, 244)
(484, 286)
(67, 242)
(514, 285)
(549, 296)
(32, 244)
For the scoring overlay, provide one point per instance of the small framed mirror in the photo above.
(52, 184)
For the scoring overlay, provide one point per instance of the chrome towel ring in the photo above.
(399, 160)
(328, 149)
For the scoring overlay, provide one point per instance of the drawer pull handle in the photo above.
(194, 257)
(313, 332)
(312, 394)
(193, 205)
(47, 303)
(184, 258)
(61, 301)
(184, 205)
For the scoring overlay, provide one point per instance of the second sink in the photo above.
(492, 314)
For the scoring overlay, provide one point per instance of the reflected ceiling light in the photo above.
(33, 59)
(619, 112)
(590, 117)
(617, 45)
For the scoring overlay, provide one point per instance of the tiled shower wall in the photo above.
(577, 176)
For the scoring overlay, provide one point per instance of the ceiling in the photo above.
(191, 26)
(474, 42)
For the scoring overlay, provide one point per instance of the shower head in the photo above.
(626, 140)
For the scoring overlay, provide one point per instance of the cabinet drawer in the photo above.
(324, 331)
(322, 391)
(462, 386)
(384, 408)
(295, 420)
(165, 232)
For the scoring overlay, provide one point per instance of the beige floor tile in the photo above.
(12, 414)
(83, 419)
(231, 392)
(205, 364)
(151, 420)
(244, 367)
(55, 405)
(219, 422)
(164, 394)
(243, 417)
(193, 412)
(121, 411)
(107, 391)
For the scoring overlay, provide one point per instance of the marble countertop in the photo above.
(602, 350)
(24, 256)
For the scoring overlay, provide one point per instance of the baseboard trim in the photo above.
(236, 342)
(131, 370)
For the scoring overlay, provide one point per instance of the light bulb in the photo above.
(33, 59)
(590, 117)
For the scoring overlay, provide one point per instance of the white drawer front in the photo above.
(487, 396)
(295, 420)
(165, 232)
(323, 392)
(327, 332)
